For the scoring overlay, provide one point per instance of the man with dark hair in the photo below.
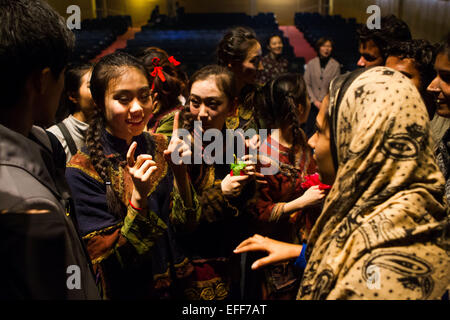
(414, 59)
(42, 254)
(373, 43)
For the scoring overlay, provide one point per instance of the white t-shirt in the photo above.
(77, 130)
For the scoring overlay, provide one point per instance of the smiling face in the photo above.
(370, 55)
(209, 104)
(320, 143)
(276, 45)
(128, 104)
(440, 86)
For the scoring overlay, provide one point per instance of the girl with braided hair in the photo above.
(121, 186)
(285, 208)
(168, 83)
(240, 52)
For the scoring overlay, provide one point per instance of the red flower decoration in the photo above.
(313, 180)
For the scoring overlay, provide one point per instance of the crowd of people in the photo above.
(117, 197)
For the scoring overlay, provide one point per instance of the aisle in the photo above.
(301, 47)
(120, 43)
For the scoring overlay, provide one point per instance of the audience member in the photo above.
(318, 75)
(273, 63)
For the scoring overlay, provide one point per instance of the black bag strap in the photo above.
(69, 140)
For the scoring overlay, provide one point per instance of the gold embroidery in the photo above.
(102, 231)
(245, 114)
(213, 289)
(93, 175)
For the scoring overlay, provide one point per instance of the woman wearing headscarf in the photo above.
(383, 231)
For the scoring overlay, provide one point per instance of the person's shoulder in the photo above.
(81, 164)
(335, 62)
(22, 192)
(55, 130)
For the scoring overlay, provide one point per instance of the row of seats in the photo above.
(195, 48)
(342, 31)
(214, 21)
(96, 35)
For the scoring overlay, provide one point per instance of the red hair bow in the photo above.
(173, 61)
(157, 71)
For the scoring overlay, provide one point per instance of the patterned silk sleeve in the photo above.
(210, 205)
(182, 217)
(267, 208)
(142, 231)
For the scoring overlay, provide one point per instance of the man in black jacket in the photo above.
(41, 253)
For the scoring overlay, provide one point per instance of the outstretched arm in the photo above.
(277, 251)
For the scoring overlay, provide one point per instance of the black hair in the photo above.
(234, 46)
(273, 36)
(33, 36)
(422, 53)
(72, 84)
(108, 68)
(322, 41)
(225, 81)
(392, 30)
(175, 84)
(280, 99)
(444, 47)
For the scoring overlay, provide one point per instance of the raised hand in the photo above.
(178, 149)
(141, 170)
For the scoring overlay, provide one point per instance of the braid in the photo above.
(280, 100)
(299, 136)
(101, 164)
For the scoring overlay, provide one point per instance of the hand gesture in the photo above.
(232, 185)
(278, 251)
(178, 149)
(251, 169)
(140, 170)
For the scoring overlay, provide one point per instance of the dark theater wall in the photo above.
(427, 19)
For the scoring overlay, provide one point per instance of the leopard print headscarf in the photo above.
(383, 231)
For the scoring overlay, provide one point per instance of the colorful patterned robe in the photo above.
(136, 257)
(210, 230)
